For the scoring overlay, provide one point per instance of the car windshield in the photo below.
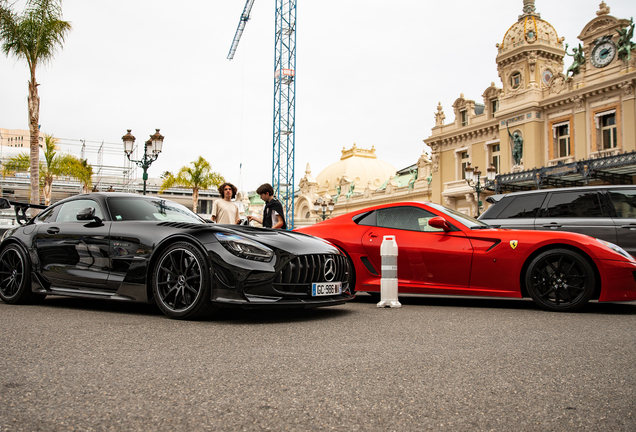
(150, 209)
(468, 221)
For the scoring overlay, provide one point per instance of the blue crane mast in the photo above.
(284, 99)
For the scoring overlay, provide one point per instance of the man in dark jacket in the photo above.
(273, 213)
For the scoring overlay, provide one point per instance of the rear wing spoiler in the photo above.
(20, 209)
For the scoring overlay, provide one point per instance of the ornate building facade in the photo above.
(544, 127)
(358, 180)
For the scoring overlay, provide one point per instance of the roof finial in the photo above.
(529, 9)
(603, 9)
(528, 6)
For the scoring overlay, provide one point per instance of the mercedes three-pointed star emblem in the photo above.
(330, 269)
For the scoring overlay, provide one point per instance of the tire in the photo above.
(181, 283)
(15, 277)
(560, 280)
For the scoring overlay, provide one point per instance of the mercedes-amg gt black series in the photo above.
(128, 247)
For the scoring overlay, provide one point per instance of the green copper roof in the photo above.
(255, 199)
(400, 180)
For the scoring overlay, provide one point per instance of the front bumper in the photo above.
(618, 280)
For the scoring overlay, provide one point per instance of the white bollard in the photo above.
(389, 281)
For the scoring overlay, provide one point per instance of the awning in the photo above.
(614, 170)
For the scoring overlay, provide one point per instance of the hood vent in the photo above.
(182, 225)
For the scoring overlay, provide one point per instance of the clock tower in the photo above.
(529, 59)
(530, 55)
(601, 39)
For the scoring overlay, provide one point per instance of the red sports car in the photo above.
(443, 251)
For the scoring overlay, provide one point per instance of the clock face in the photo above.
(603, 54)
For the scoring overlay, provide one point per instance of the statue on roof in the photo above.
(414, 173)
(351, 188)
(439, 115)
(624, 44)
(577, 62)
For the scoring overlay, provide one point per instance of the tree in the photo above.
(82, 171)
(33, 36)
(55, 166)
(197, 176)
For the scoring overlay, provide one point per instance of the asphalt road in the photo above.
(456, 364)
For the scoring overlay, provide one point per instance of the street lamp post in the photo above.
(151, 151)
(473, 180)
(320, 204)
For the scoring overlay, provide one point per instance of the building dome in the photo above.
(357, 165)
(529, 31)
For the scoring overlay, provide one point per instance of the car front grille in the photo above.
(301, 271)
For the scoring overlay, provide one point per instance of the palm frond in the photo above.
(17, 163)
(195, 176)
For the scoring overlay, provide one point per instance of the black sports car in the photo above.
(129, 247)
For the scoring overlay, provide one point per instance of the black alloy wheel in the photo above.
(560, 280)
(181, 283)
(15, 277)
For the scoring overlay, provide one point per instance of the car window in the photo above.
(48, 215)
(496, 208)
(68, 210)
(368, 219)
(624, 202)
(467, 221)
(522, 206)
(576, 204)
(405, 218)
(146, 209)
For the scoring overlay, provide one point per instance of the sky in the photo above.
(368, 72)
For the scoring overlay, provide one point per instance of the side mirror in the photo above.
(87, 214)
(4, 204)
(439, 223)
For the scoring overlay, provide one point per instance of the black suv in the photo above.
(605, 212)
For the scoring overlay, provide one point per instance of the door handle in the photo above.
(630, 226)
(53, 230)
(552, 225)
(373, 235)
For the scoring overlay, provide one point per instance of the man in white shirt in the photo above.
(225, 211)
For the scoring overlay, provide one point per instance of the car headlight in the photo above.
(617, 249)
(245, 248)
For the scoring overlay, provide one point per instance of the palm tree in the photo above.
(56, 166)
(33, 36)
(82, 171)
(196, 176)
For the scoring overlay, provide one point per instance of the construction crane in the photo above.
(284, 99)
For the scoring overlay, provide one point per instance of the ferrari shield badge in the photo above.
(513, 244)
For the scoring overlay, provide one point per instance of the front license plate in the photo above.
(326, 288)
